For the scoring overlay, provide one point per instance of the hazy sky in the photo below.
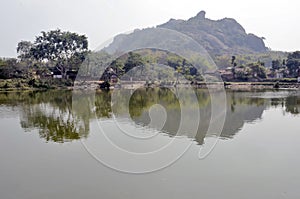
(100, 20)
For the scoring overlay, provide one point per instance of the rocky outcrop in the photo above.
(218, 37)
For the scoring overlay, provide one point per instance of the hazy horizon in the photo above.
(100, 20)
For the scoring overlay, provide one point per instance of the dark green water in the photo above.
(44, 139)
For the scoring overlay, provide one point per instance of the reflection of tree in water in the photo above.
(103, 105)
(292, 105)
(51, 113)
(59, 118)
(143, 99)
(277, 102)
(51, 127)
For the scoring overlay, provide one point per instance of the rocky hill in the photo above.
(225, 36)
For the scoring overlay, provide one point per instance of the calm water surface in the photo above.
(43, 154)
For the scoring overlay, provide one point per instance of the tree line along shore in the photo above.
(54, 58)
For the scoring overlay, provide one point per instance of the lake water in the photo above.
(51, 146)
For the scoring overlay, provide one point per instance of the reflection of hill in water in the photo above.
(57, 119)
(240, 110)
(242, 114)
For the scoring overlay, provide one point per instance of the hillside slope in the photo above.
(225, 36)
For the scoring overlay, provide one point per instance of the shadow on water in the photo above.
(51, 114)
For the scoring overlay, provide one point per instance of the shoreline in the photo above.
(242, 86)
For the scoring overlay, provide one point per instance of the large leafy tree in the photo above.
(23, 49)
(65, 49)
(293, 63)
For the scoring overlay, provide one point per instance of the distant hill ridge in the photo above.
(224, 36)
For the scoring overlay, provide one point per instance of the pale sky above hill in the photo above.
(100, 20)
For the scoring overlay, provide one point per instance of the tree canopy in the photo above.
(293, 63)
(63, 48)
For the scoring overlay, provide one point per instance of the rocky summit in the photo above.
(224, 36)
